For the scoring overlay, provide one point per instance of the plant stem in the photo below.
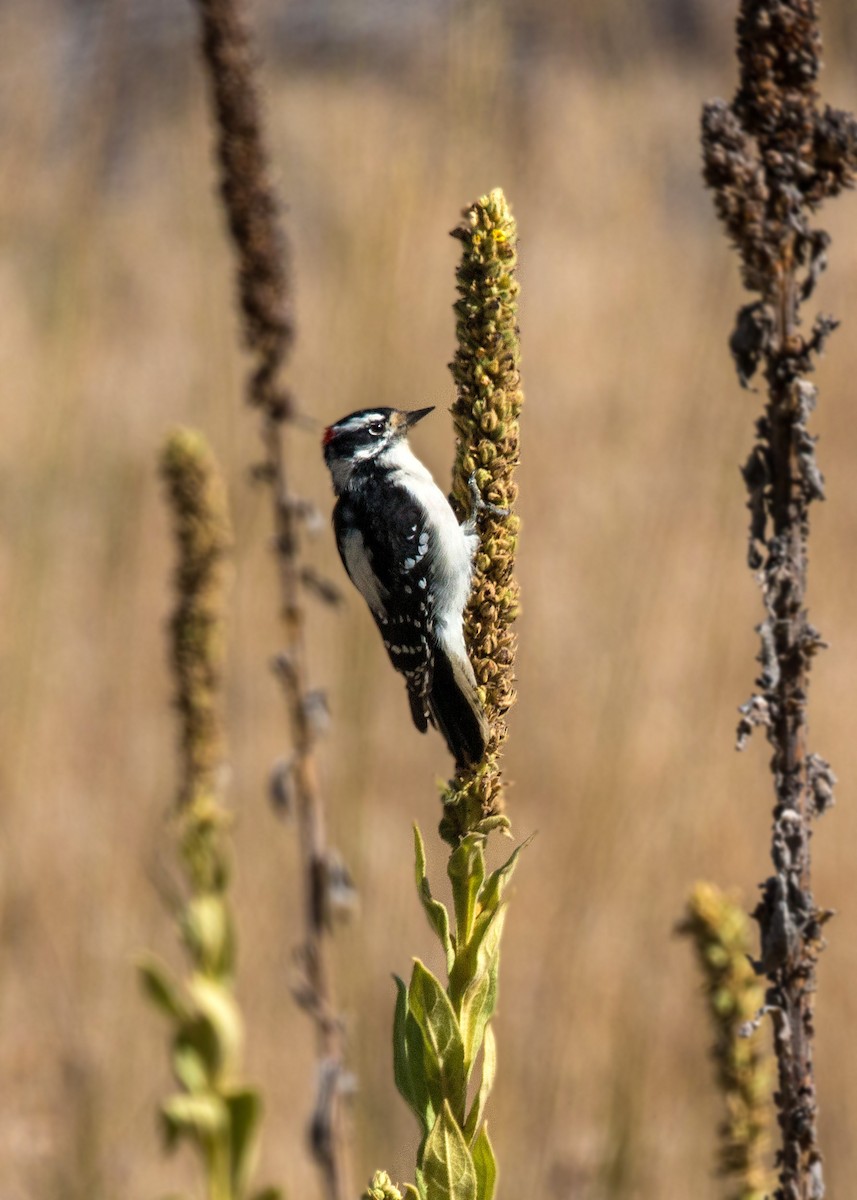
(212, 1109)
(264, 287)
(772, 157)
(794, 980)
(440, 1033)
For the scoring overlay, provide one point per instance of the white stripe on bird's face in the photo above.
(360, 421)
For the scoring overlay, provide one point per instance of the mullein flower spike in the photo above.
(486, 370)
(720, 932)
(442, 1037)
(212, 1110)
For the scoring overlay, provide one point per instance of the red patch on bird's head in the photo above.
(328, 435)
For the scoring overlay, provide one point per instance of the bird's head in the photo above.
(371, 434)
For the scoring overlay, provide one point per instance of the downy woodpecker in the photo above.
(406, 553)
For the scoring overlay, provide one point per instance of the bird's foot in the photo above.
(480, 504)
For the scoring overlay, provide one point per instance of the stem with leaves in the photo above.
(441, 1033)
(265, 294)
(772, 157)
(214, 1112)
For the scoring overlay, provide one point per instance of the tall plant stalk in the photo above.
(486, 370)
(772, 157)
(213, 1110)
(442, 1035)
(265, 295)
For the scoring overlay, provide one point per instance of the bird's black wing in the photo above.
(386, 550)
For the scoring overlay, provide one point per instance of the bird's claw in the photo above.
(480, 504)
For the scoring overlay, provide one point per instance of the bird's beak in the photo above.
(411, 418)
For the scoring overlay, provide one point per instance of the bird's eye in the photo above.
(377, 428)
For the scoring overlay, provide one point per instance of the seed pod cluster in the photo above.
(486, 370)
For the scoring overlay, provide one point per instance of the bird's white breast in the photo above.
(453, 546)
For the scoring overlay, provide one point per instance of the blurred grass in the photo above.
(636, 641)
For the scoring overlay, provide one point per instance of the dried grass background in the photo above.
(636, 643)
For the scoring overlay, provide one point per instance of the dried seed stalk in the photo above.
(265, 291)
(771, 157)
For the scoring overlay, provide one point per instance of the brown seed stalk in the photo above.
(265, 292)
(772, 157)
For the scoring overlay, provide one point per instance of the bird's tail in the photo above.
(455, 709)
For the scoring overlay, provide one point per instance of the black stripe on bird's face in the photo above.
(365, 434)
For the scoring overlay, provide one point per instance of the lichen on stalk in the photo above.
(772, 157)
(486, 370)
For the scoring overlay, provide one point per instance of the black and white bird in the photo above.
(411, 560)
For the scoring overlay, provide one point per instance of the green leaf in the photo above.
(489, 824)
(477, 1008)
(486, 936)
(436, 1018)
(489, 1070)
(411, 1192)
(466, 871)
(201, 1117)
(160, 986)
(245, 1111)
(409, 1060)
(435, 911)
(189, 1064)
(208, 934)
(478, 955)
(401, 1063)
(492, 892)
(217, 1008)
(269, 1193)
(485, 1165)
(447, 1165)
